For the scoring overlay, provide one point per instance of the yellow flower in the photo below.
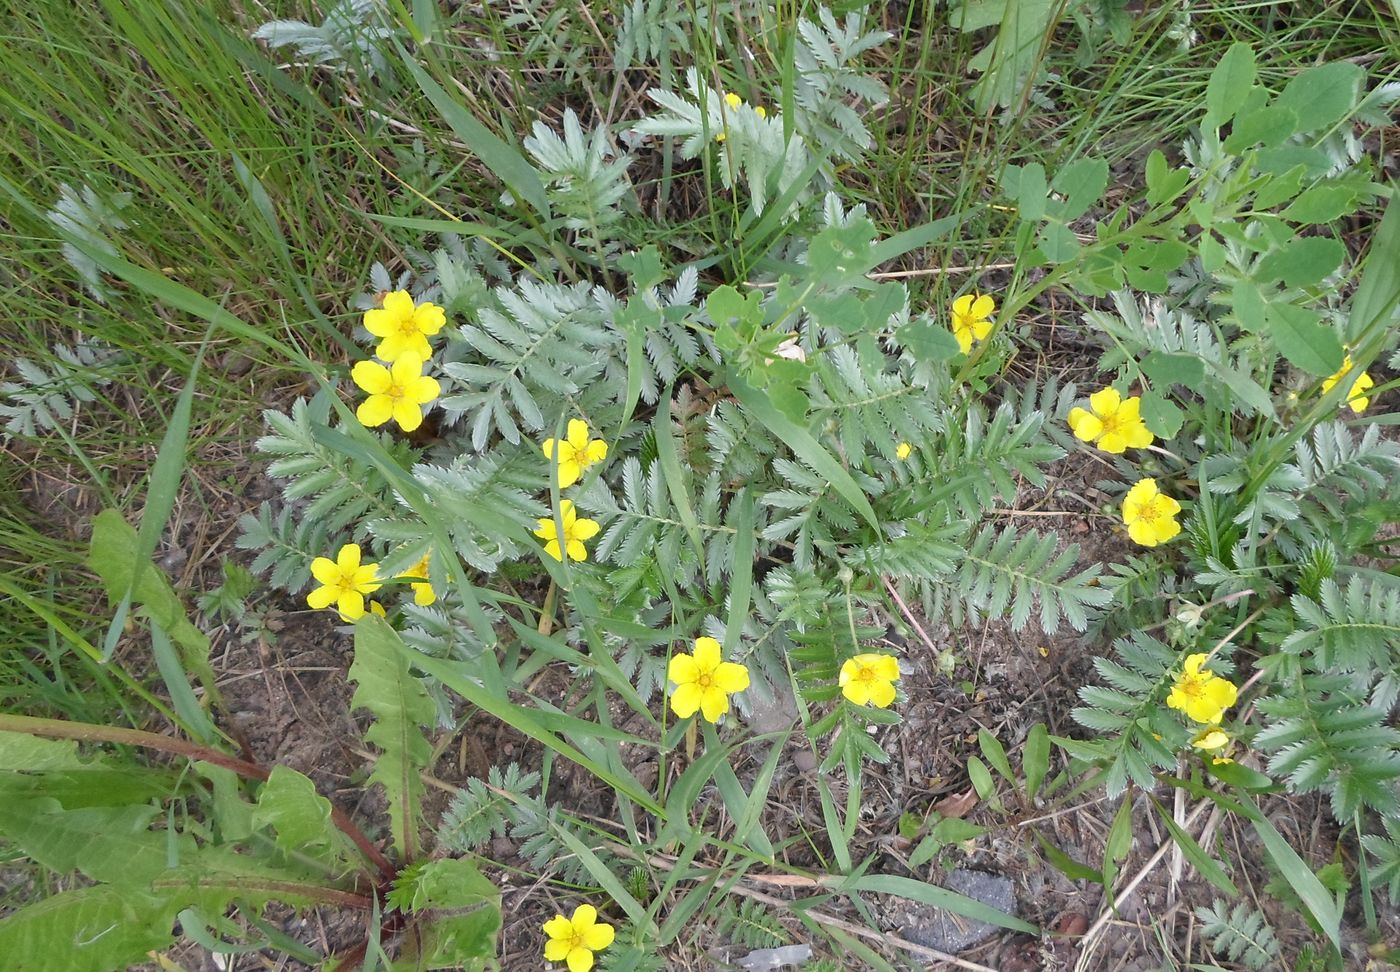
(574, 940)
(760, 111)
(972, 321)
(869, 678)
(1200, 693)
(1211, 738)
(1150, 514)
(344, 582)
(704, 682)
(377, 609)
(423, 593)
(576, 453)
(403, 326)
(576, 530)
(903, 451)
(398, 391)
(1357, 399)
(733, 101)
(1115, 421)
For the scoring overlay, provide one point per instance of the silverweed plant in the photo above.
(569, 436)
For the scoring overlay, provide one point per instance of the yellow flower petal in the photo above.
(857, 692)
(881, 694)
(559, 927)
(375, 411)
(398, 304)
(348, 558)
(552, 548)
(576, 550)
(429, 318)
(685, 699)
(707, 654)
(964, 337)
(1105, 402)
(733, 100)
(556, 949)
(351, 605)
(1085, 424)
(408, 415)
(325, 570)
(569, 472)
(578, 434)
(962, 307)
(599, 937)
(1114, 443)
(713, 704)
(983, 306)
(579, 959)
(322, 597)
(682, 669)
(886, 667)
(980, 329)
(584, 917)
(597, 451)
(731, 677)
(1141, 532)
(585, 529)
(406, 369)
(379, 322)
(423, 390)
(370, 377)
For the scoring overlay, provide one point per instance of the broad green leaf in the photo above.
(1321, 203)
(504, 161)
(109, 844)
(1267, 125)
(401, 708)
(1065, 864)
(98, 929)
(1302, 262)
(463, 915)
(1163, 184)
(112, 554)
(1174, 368)
(1379, 290)
(1232, 77)
(1010, 61)
(1279, 188)
(1249, 305)
(803, 445)
(929, 894)
(1300, 877)
(1027, 186)
(299, 817)
(1323, 95)
(928, 341)
(1081, 183)
(1205, 865)
(953, 830)
(21, 751)
(1119, 841)
(1161, 415)
(1057, 243)
(981, 779)
(995, 754)
(1303, 340)
(1035, 758)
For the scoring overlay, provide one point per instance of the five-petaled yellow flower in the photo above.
(972, 319)
(576, 530)
(574, 940)
(704, 682)
(903, 451)
(399, 391)
(1116, 422)
(1150, 514)
(404, 326)
(1200, 693)
(423, 593)
(869, 679)
(1357, 399)
(344, 582)
(576, 452)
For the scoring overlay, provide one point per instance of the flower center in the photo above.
(865, 675)
(1193, 686)
(1149, 512)
(407, 327)
(1112, 423)
(705, 680)
(395, 392)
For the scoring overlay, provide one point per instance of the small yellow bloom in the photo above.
(1357, 399)
(903, 451)
(576, 530)
(1150, 514)
(733, 101)
(1211, 738)
(423, 593)
(704, 682)
(869, 679)
(1200, 693)
(344, 582)
(760, 111)
(377, 609)
(574, 940)
(1116, 422)
(398, 391)
(972, 319)
(576, 453)
(404, 326)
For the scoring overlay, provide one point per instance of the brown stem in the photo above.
(87, 732)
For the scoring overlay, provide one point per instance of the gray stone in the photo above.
(949, 932)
